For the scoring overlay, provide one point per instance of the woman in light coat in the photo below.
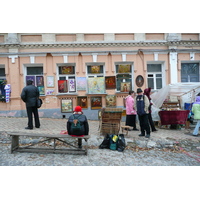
(196, 111)
(130, 112)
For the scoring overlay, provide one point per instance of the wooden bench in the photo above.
(75, 148)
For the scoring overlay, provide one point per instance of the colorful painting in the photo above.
(82, 101)
(39, 81)
(139, 81)
(66, 105)
(50, 92)
(72, 85)
(41, 90)
(125, 87)
(96, 102)
(81, 83)
(95, 69)
(110, 101)
(50, 81)
(67, 70)
(96, 85)
(30, 78)
(62, 86)
(110, 82)
(124, 69)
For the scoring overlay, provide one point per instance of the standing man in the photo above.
(142, 108)
(29, 95)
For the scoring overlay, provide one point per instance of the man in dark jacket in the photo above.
(29, 95)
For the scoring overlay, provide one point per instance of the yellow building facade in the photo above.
(92, 70)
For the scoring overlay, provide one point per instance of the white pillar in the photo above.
(173, 67)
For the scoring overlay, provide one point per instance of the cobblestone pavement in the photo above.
(164, 148)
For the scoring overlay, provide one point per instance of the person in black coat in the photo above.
(29, 95)
(78, 114)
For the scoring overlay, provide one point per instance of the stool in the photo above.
(123, 129)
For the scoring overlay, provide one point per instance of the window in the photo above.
(66, 78)
(2, 72)
(154, 76)
(123, 76)
(35, 73)
(95, 70)
(190, 72)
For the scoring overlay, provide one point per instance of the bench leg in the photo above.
(14, 143)
(80, 143)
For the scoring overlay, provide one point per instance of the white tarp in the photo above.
(186, 92)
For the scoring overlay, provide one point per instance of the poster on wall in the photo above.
(110, 101)
(96, 85)
(66, 105)
(39, 81)
(30, 78)
(125, 87)
(81, 83)
(82, 101)
(96, 102)
(110, 82)
(62, 86)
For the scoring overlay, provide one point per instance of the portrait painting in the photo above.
(66, 105)
(62, 86)
(96, 102)
(125, 86)
(81, 83)
(110, 82)
(39, 81)
(110, 101)
(82, 101)
(139, 81)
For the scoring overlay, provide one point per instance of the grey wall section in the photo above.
(51, 113)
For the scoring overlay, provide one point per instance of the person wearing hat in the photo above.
(147, 92)
(29, 95)
(142, 108)
(84, 126)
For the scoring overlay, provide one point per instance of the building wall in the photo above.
(19, 50)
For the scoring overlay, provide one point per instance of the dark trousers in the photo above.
(131, 121)
(144, 124)
(151, 122)
(30, 112)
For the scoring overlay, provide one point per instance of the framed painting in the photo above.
(110, 101)
(95, 69)
(124, 69)
(30, 78)
(67, 69)
(50, 92)
(62, 86)
(41, 90)
(72, 85)
(39, 80)
(81, 83)
(96, 102)
(96, 85)
(125, 86)
(66, 105)
(82, 101)
(139, 81)
(110, 82)
(50, 81)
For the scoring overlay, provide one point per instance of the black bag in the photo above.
(121, 143)
(106, 143)
(39, 103)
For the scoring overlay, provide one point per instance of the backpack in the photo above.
(76, 124)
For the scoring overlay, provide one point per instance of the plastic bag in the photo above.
(106, 143)
(121, 144)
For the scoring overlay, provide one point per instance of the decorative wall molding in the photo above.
(13, 58)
